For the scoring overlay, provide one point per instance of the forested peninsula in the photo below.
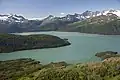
(11, 42)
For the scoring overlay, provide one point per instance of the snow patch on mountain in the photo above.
(116, 12)
(3, 17)
(69, 17)
(12, 18)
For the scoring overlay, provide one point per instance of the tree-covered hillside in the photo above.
(10, 42)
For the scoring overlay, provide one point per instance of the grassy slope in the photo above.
(109, 69)
(13, 69)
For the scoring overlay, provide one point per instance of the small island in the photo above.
(11, 42)
(107, 54)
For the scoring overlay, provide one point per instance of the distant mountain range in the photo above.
(69, 17)
(17, 23)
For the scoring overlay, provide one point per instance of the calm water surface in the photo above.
(82, 49)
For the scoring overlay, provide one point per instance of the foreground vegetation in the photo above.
(29, 69)
(10, 42)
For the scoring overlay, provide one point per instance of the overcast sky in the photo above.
(42, 8)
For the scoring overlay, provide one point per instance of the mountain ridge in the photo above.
(105, 24)
(79, 16)
(16, 23)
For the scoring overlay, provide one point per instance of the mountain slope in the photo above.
(15, 23)
(104, 24)
(52, 23)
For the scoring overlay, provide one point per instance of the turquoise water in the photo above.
(82, 49)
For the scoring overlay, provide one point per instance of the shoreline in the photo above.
(20, 33)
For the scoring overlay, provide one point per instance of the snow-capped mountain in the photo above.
(88, 14)
(82, 16)
(116, 12)
(71, 18)
(12, 18)
(3, 17)
(50, 17)
(15, 23)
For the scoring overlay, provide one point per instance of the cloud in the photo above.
(62, 13)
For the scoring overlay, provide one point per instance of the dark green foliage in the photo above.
(10, 42)
(58, 64)
(13, 69)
